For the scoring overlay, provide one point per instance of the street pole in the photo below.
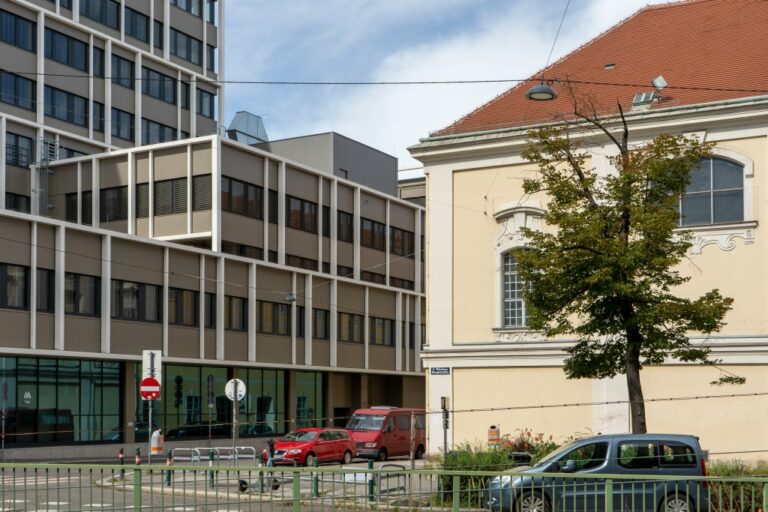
(234, 419)
(445, 405)
(149, 426)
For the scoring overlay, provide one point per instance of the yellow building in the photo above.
(479, 352)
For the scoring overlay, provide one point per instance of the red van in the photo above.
(384, 431)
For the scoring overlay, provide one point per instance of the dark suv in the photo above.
(539, 489)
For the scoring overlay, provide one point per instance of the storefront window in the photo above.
(262, 412)
(310, 399)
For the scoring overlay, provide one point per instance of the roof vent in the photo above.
(644, 98)
(609, 66)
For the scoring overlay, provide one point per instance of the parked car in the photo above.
(523, 490)
(381, 432)
(305, 445)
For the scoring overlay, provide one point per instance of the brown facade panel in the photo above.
(15, 331)
(236, 277)
(350, 355)
(381, 303)
(301, 184)
(113, 172)
(345, 254)
(372, 260)
(321, 293)
(141, 161)
(350, 298)
(402, 267)
(272, 171)
(242, 165)
(202, 155)
(345, 198)
(130, 338)
(273, 349)
(202, 222)
(17, 180)
(381, 358)
(45, 331)
(241, 229)
(236, 346)
(170, 163)
(83, 334)
(121, 226)
(272, 284)
(184, 270)
(169, 225)
(210, 344)
(373, 207)
(321, 353)
(301, 243)
(135, 261)
(414, 391)
(46, 246)
(402, 217)
(62, 77)
(83, 252)
(184, 342)
(299, 351)
(15, 237)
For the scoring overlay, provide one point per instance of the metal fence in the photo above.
(75, 487)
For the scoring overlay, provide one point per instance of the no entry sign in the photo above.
(149, 389)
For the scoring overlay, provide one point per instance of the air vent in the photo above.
(644, 98)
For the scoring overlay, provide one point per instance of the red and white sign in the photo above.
(149, 389)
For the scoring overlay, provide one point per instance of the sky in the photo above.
(393, 40)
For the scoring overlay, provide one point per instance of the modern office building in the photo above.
(86, 76)
(230, 260)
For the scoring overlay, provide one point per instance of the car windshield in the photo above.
(365, 422)
(299, 437)
(554, 455)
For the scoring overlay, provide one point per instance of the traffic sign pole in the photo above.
(149, 389)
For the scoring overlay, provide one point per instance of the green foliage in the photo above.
(726, 495)
(470, 457)
(606, 271)
(537, 444)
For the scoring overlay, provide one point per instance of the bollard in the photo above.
(168, 472)
(371, 496)
(121, 458)
(315, 478)
(261, 479)
(137, 460)
(210, 473)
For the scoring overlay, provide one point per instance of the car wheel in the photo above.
(309, 460)
(347, 457)
(382, 455)
(419, 452)
(676, 502)
(532, 501)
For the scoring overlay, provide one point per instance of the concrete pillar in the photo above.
(129, 401)
(330, 391)
(364, 395)
(290, 414)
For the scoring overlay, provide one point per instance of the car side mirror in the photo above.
(388, 429)
(569, 467)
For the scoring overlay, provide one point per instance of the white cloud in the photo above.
(508, 42)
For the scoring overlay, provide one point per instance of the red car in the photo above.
(305, 445)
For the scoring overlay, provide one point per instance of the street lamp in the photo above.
(541, 92)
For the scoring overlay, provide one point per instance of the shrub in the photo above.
(728, 495)
(537, 444)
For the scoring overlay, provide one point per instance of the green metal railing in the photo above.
(75, 487)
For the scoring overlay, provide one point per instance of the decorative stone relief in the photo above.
(725, 240)
(518, 336)
(511, 219)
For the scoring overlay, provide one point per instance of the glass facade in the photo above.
(310, 399)
(263, 410)
(60, 400)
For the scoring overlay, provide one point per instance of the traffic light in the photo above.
(178, 390)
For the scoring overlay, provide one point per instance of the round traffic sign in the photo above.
(229, 389)
(149, 389)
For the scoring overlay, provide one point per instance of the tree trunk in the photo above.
(635, 391)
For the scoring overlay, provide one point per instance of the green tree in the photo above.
(606, 269)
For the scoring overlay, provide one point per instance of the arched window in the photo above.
(513, 305)
(715, 194)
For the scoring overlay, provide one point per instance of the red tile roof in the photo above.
(699, 46)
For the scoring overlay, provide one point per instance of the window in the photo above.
(301, 214)
(136, 25)
(171, 196)
(66, 4)
(159, 35)
(321, 324)
(272, 206)
(274, 318)
(351, 328)
(372, 234)
(17, 31)
(122, 71)
(153, 132)
(191, 6)
(113, 204)
(185, 95)
(185, 47)
(211, 64)
(135, 301)
(45, 287)
(235, 313)
(675, 454)
(201, 192)
(98, 117)
(300, 262)
(373, 277)
(122, 124)
(514, 312)
(17, 202)
(98, 62)
(382, 331)
(210, 11)
(66, 106)
(715, 194)
(69, 153)
(158, 85)
(81, 294)
(210, 311)
(86, 207)
(66, 50)
(106, 12)
(401, 283)
(19, 150)
(638, 455)
(401, 242)
(17, 91)
(14, 292)
(182, 307)
(248, 251)
(206, 104)
(343, 271)
(242, 198)
(589, 456)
